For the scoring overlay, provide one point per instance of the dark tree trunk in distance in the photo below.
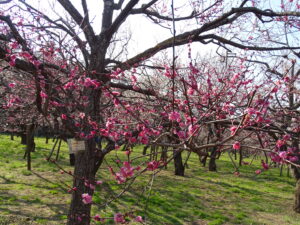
(23, 138)
(297, 197)
(179, 168)
(212, 166)
(241, 157)
(30, 144)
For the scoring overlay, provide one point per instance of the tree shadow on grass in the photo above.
(34, 208)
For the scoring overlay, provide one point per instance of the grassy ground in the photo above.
(202, 197)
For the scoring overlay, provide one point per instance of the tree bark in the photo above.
(179, 168)
(296, 172)
(241, 157)
(212, 166)
(84, 172)
(145, 149)
(297, 197)
(30, 144)
(164, 156)
(23, 138)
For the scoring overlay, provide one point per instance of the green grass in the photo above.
(40, 196)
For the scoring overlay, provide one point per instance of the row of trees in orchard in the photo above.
(73, 70)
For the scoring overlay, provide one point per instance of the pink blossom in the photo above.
(115, 93)
(258, 172)
(69, 85)
(97, 217)
(274, 90)
(11, 85)
(251, 111)
(26, 55)
(12, 62)
(81, 115)
(280, 143)
(264, 165)
(119, 218)
(153, 165)
(190, 91)
(286, 137)
(174, 116)
(86, 198)
(120, 178)
(294, 159)
(236, 173)
(283, 155)
(236, 145)
(14, 45)
(181, 134)
(138, 219)
(127, 152)
(98, 182)
(43, 94)
(233, 130)
(63, 116)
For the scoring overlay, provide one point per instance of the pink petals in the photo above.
(86, 198)
(236, 145)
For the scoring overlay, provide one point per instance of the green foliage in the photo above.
(211, 197)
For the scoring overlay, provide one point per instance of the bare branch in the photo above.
(118, 5)
(83, 23)
(85, 10)
(241, 46)
(120, 19)
(5, 2)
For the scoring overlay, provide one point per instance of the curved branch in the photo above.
(120, 19)
(81, 22)
(241, 46)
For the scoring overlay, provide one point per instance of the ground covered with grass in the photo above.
(41, 196)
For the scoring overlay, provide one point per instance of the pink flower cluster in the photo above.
(126, 171)
(86, 198)
(153, 165)
(236, 145)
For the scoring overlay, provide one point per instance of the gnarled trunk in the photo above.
(84, 172)
(179, 168)
(212, 166)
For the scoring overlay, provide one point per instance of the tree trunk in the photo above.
(297, 197)
(12, 136)
(23, 138)
(179, 168)
(30, 143)
(85, 170)
(212, 166)
(145, 149)
(164, 155)
(241, 157)
(203, 160)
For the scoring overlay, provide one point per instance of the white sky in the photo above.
(144, 33)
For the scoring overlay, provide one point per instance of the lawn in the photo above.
(41, 196)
